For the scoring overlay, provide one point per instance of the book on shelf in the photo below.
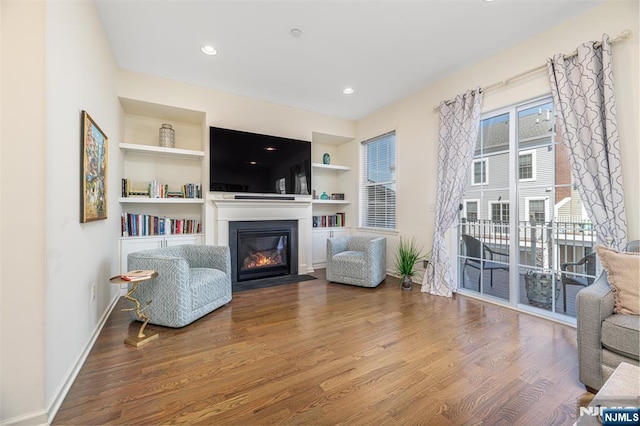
(142, 225)
(329, 221)
(155, 189)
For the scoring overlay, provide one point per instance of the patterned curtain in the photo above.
(582, 89)
(459, 124)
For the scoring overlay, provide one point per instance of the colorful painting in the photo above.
(93, 204)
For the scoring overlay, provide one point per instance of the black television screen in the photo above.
(258, 164)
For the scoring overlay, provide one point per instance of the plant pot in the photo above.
(407, 283)
(539, 287)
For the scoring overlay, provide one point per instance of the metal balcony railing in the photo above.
(544, 245)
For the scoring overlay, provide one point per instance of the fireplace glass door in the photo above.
(263, 254)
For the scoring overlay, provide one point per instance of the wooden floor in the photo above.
(500, 289)
(318, 353)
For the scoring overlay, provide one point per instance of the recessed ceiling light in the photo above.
(296, 32)
(208, 50)
(253, 163)
(347, 90)
(270, 148)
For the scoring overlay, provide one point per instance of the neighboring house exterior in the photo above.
(546, 192)
(548, 205)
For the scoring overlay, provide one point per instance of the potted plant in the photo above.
(407, 255)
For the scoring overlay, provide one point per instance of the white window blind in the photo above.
(378, 183)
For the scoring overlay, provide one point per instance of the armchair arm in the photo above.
(216, 257)
(594, 304)
(377, 248)
(335, 246)
(376, 254)
(172, 282)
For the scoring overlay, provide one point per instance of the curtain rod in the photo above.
(624, 35)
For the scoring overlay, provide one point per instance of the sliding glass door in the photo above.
(524, 236)
(486, 212)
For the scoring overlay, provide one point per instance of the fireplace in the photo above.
(263, 249)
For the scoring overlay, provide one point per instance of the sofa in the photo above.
(605, 338)
(357, 260)
(193, 280)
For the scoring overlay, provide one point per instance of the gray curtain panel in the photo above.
(459, 124)
(582, 89)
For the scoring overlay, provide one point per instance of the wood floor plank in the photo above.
(324, 353)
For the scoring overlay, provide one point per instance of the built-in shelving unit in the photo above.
(330, 167)
(145, 162)
(130, 148)
(329, 178)
(143, 200)
(331, 202)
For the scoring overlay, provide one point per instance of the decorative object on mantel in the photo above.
(167, 136)
(326, 159)
(407, 255)
(324, 196)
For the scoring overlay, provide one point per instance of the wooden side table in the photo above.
(134, 280)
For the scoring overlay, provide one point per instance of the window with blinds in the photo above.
(378, 184)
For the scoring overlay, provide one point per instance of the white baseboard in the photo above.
(37, 418)
(71, 375)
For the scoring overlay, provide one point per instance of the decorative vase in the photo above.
(324, 196)
(407, 283)
(539, 287)
(326, 159)
(167, 136)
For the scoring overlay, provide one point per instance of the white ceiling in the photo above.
(385, 50)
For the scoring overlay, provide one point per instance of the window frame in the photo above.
(501, 203)
(527, 207)
(531, 152)
(465, 211)
(363, 203)
(484, 160)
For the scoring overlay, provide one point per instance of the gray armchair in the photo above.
(605, 339)
(360, 261)
(192, 281)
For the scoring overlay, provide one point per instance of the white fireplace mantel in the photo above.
(224, 211)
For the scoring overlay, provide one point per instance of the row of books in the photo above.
(329, 221)
(138, 225)
(156, 189)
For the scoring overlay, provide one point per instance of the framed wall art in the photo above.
(95, 149)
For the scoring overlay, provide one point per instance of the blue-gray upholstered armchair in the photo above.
(192, 281)
(357, 260)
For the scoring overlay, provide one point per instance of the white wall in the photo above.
(22, 241)
(417, 123)
(55, 63)
(80, 75)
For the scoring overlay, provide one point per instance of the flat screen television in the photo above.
(253, 163)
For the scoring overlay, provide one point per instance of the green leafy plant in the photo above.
(408, 253)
